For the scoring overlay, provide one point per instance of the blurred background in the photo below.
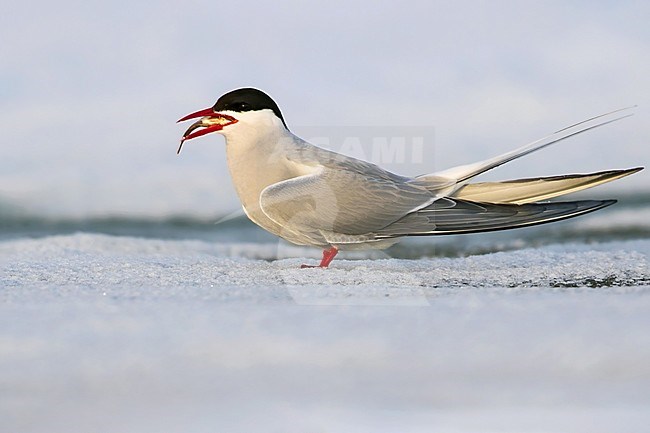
(90, 91)
(147, 335)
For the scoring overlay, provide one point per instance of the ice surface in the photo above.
(117, 334)
(86, 264)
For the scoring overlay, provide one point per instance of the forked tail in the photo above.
(462, 174)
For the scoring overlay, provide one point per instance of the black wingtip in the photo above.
(606, 203)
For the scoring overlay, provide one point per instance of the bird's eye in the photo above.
(240, 106)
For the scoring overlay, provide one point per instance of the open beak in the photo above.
(210, 121)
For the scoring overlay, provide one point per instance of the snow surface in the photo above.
(117, 334)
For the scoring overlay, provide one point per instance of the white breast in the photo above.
(256, 150)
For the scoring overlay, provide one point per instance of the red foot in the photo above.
(328, 256)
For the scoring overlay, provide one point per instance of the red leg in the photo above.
(328, 256)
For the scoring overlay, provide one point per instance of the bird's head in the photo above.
(234, 110)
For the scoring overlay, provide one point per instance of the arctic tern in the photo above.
(311, 196)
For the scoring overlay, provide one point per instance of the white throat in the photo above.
(256, 148)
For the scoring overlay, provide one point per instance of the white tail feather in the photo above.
(461, 174)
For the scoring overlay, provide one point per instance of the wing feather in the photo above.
(341, 201)
(523, 191)
(454, 216)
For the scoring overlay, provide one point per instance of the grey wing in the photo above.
(522, 191)
(455, 216)
(341, 201)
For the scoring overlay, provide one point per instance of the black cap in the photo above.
(247, 99)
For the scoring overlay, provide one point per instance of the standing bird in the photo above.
(316, 197)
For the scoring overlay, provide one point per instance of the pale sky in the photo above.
(90, 91)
